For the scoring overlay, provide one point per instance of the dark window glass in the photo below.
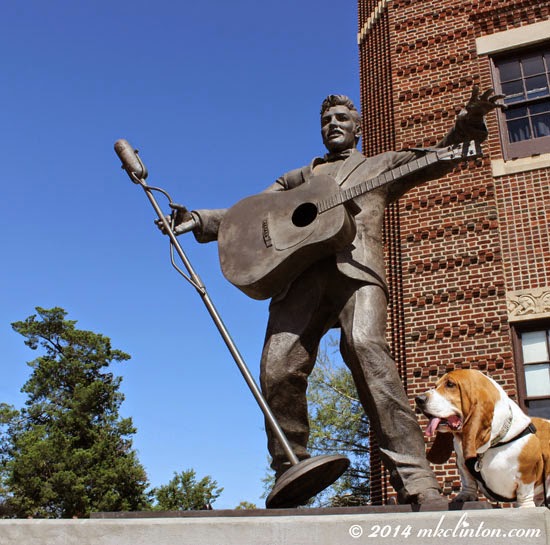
(541, 125)
(532, 64)
(540, 108)
(516, 111)
(519, 130)
(539, 407)
(509, 70)
(513, 91)
(536, 86)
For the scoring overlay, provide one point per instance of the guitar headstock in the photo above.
(460, 152)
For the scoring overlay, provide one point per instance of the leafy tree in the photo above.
(67, 451)
(245, 505)
(338, 425)
(184, 493)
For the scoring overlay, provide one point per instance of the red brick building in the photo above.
(468, 255)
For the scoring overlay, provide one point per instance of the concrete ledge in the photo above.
(501, 167)
(510, 526)
(513, 38)
(300, 511)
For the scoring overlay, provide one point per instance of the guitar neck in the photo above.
(467, 151)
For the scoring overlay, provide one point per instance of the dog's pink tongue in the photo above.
(432, 426)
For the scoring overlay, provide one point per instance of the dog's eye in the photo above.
(450, 384)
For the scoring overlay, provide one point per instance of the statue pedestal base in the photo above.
(392, 525)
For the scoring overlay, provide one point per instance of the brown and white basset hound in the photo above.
(498, 447)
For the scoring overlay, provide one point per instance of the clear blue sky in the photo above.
(221, 98)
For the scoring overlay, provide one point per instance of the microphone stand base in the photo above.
(306, 479)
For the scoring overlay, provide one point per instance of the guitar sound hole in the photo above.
(304, 215)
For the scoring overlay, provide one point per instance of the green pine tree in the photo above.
(68, 452)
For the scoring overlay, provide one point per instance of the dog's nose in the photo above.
(420, 400)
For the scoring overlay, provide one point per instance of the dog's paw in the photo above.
(465, 496)
(525, 503)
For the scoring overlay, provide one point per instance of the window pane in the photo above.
(534, 346)
(532, 64)
(541, 125)
(537, 86)
(519, 130)
(540, 108)
(509, 70)
(514, 112)
(513, 91)
(539, 407)
(537, 380)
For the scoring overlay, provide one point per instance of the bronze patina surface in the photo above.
(345, 289)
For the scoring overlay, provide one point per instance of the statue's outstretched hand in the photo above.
(181, 220)
(470, 122)
(480, 105)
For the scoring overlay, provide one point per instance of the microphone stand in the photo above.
(305, 478)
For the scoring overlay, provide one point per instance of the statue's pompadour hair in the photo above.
(341, 100)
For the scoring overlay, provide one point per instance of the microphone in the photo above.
(131, 162)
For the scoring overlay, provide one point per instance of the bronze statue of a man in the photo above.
(348, 290)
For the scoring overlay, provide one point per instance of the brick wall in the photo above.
(454, 246)
(523, 203)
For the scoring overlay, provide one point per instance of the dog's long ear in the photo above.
(476, 430)
(441, 449)
(478, 405)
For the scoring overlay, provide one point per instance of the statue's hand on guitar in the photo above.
(181, 220)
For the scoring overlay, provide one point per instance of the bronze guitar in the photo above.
(267, 240)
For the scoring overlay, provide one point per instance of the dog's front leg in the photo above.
(525, 495)
(468, 485)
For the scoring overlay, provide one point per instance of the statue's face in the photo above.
(338, 129)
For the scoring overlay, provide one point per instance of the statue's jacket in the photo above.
(363, 259)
